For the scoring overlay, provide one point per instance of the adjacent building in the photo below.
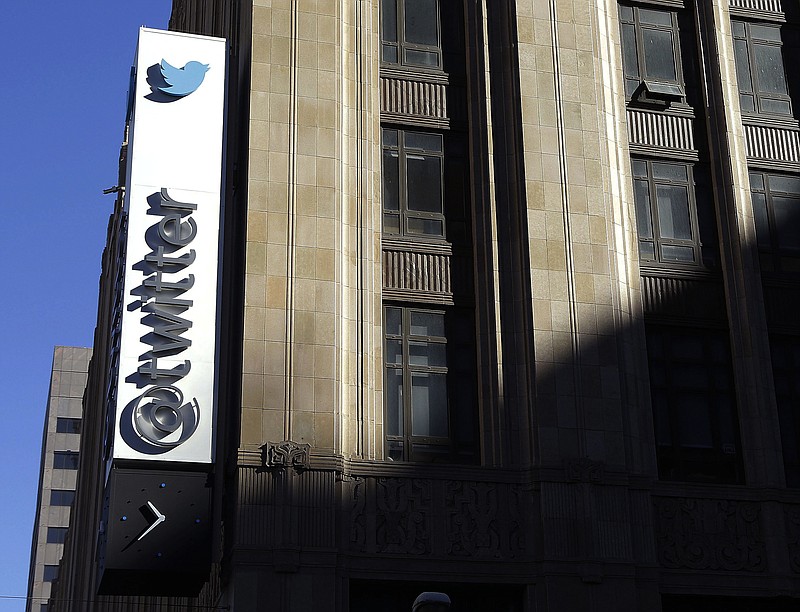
(58, 470)
(506, 310)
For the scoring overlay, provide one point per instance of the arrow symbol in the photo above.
(160, 518)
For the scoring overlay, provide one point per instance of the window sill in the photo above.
(775, 121)
(414, 73)
(417, 245)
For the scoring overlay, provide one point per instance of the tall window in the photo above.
(413, 201)
(651, 53)
(759, 69)
(410, 33)
(694, 407)
(428, 405)
(776, 205)
(666, 217)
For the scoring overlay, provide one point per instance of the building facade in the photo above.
(58, 470)
(508, 293)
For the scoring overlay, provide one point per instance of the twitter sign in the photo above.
(166, 395)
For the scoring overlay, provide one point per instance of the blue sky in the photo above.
(62, 105)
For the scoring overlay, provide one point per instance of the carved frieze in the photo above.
(583, 470)
(285, 454)
(472, 519)
(709, 534)
(792, 514)
(403, 515)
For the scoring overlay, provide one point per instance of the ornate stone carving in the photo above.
(403, 516)
(471, 521)
(792, 514)
(709, 534)
(285, 454)
(583, 470)
(358, 516)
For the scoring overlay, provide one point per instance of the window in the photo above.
(694, 406)
(410, 33)
(65, 460)
(428, 386)
(665, 212)
(68, 425)
(56, 535)
(61, 497)
(50, 573)
(776, 206)
(413, 199)
(759, 68)
(785, 366)
(651, 53)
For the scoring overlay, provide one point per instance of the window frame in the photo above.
(721, 462)
(750, 42)
(648, 88)
(402, 45)
(656, 239)
(72, 465)
(404, 213)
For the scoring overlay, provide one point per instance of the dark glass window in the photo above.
(413, 199)
(651, 53)
(61, 497)
(50, 573)
(694, 405)
(429, 401)
(68, 425)
(56, 535)
(65, 460)
(759, 68)
(776, 206)
(665, 212)
(785, 368)
(410, 33)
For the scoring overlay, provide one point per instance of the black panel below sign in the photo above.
(156, 533)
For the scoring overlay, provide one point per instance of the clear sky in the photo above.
(65, 69)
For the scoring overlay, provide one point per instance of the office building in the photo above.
(58, 470)
(506, 309)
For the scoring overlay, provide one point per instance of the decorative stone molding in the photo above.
(709, 534)
(584, 470)
(285, 454)
(792, 514)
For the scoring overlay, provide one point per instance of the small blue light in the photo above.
(158, 554)
(197, 520)
(124, 518)
(163, 484)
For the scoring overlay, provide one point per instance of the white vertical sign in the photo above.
(166, 405)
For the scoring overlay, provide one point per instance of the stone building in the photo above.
(508, 308)
(58, 470)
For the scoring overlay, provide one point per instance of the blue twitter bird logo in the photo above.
(182, 81)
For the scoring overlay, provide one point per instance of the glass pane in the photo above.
(389, 54)
(694, 422)
(394, 402)
(659, 55)
(394, 450)
(673, 172)
(756, 181)
(429, 324)
(389, 138)
(389, 20)
(391, 224)
(394, 320)
(661, 417)
(647, 250)
(68, 425)
(644, 222)
(786, 184)
(61, 497)
(424, 175)
(420, 22)
(639, 169)
(655, 17)
(673, 212)
(742, 65)
(427, 354)
(747, 102)
(686, 348)
(769, 68)
(765, 32)
(629, 62)
(429, 404)
(426, 227)
(391, 180)
(738, 28)
(394, 352)
(421, 58)
(421, 140)
(779, 107)
(677, 253)
(787, 222)
(762, 221)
